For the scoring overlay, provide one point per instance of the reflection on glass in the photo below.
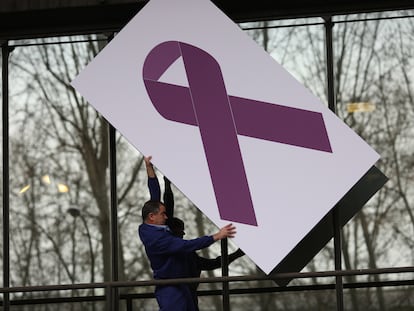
(299, 49)
(373, 60)
(46, 179)
(24, 189)
(62, 188)
(360, 107)
(376, 62)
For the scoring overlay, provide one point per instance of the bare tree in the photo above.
(54, 131)
(62, 135)
(373, 64)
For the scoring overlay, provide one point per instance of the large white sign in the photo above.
(232, 129)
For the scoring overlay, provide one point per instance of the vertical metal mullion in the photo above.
(338, 259)
(330, 63)
(6, 202)
(225, 272)
(108, 297)
(129, 304)
(114, 297)
(336, 212)
(114, 215)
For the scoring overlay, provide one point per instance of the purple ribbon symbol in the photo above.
(221, 117)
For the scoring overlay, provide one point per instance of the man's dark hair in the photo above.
(150, 207)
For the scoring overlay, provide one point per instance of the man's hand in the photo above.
(147, 161)
(148, 165)
(228, 231)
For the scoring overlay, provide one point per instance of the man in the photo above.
(168, 255)
(195, 263)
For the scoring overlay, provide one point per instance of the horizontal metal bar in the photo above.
(234, 291)
(298, 275)
(112, 17)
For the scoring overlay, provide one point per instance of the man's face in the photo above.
(160, 217)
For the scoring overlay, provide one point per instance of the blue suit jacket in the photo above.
(168, 254)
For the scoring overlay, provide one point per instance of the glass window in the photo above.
(298, 45)
(374, 70)
(132, 194)
(59, 187)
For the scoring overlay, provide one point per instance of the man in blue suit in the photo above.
(168, 255)
(195, 263)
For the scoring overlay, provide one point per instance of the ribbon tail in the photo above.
(215, 120)
(286, 125)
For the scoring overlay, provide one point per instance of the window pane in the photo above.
(299, 49)
(132, 193)
(375, 66)
(59, 177)
(375, 97)
(289, 301)
(59, 203)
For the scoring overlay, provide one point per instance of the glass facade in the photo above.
(61, 159)
(59, 197)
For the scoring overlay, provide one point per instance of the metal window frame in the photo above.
(110, 286)
(122, 13)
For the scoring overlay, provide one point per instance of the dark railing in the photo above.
(130, 297)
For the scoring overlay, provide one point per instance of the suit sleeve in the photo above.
(175, 245)
(168, 198)
(209, 263)
(154, 189)
(212, 264)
